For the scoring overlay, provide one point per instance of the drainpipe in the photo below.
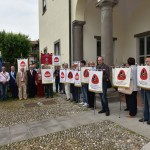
(70, 32)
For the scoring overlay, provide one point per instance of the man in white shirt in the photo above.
(4, 79)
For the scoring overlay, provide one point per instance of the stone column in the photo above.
(106, 7)
(78, 40)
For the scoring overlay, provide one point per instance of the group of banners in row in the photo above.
(121, 77)
(93, 78)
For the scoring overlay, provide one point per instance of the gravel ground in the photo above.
(14, 112)
(105, 135)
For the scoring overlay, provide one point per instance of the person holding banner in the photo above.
(106, 77)
(91, 95)
(4, 80)
(57, 79)
(21, 80)
(84, 87)
(67, 85)
(49, 86)
(145, 93)
(132, 98)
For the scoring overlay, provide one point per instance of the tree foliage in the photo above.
(13, 46)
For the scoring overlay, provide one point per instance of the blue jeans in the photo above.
(103, 96)
(84, 92)
(146, 102)
(3, 91)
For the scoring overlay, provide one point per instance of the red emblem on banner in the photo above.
(56, 59)
(121, 75)
(77, 76)
(22, 64)
(47, 74)
(86, 73)
(143, 74)
(95, 79)
(62, 75)
(70, 75)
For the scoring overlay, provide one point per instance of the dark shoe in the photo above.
(107, 113)
(68, 99)
(142, 120)
(126, 109)
(101, 111)
(51, 96)
(148, 122)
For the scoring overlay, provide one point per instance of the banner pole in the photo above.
(94, 102)
(143, 106)
(120, 105)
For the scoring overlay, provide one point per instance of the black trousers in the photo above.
(132, 103)
(91, 97)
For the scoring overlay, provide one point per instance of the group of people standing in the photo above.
(131, 99)
(29, 84)
(24, 83)
(88, 97)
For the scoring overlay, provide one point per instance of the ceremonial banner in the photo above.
(85, 74)
(122, 77)
(46, 58)
(56, 60)
(77, 78)
(69, 76)
(95, 81)
(47, 76)
(22, 63)
(143, 77)
(62, 76)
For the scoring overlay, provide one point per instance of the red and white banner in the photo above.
(143, 77)
(46, 58)
(62, 76)
(77, 78)
(95, 81)
(85, 74)
(122, 77)
(22, 63)
(69, 76)
(47, 76)
(56, 60)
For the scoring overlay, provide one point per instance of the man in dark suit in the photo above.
(13, 84)
(31, 73)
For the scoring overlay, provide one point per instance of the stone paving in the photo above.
(31, 129)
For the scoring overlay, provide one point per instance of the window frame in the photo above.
(57, 52)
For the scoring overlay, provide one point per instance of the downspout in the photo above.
(70, 32)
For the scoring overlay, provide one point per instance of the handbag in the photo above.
(126, 90)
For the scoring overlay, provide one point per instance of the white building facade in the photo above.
(85, 29)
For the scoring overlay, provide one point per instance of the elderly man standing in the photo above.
(21, 80)
(106, 76)
(146, 99)
(4, 79)
(13, 84)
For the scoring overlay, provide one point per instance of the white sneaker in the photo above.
(81, 103)
(85, 105)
